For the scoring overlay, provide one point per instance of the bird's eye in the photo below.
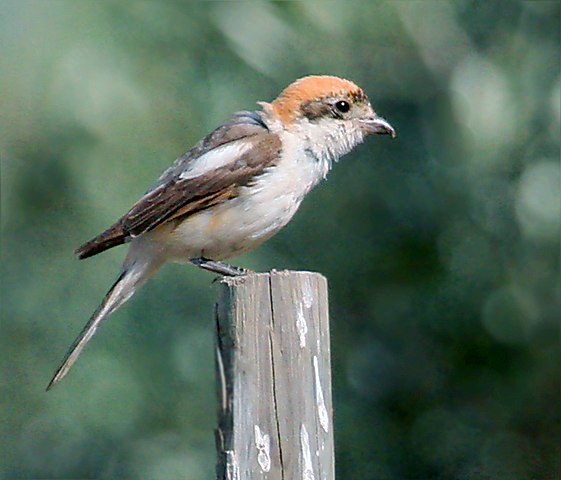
(342, 106)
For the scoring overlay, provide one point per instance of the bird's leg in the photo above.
(219, 267)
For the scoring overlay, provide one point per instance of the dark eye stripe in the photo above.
(327, 107)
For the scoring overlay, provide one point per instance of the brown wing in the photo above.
(174, 197)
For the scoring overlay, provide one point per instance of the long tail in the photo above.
(130, 278)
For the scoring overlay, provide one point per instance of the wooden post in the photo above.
(274, 378)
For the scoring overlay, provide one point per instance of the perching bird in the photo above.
(234, 189)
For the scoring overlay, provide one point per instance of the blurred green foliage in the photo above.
(441, 247)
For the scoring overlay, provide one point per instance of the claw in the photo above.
(219, 267)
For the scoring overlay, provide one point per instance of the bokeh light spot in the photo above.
(482, 102)
(509, 314)
(538, 203)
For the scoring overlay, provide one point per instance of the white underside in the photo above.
(261, 210)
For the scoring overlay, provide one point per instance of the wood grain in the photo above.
(274, 378)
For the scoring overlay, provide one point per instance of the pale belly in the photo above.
(243, 223)
(236, 227)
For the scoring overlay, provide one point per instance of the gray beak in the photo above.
(377, 125)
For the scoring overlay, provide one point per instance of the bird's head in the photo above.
(331, 113)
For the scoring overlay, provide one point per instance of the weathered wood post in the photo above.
(274, 378)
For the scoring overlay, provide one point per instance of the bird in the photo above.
(234, 189)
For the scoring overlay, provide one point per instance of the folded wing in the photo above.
(230, 157)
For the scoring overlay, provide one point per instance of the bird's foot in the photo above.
(219, 267)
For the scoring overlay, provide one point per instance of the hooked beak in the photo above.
(377, 125)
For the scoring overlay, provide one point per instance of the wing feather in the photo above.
(174, 197)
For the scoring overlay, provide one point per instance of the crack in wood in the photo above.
(274, 393)
(272, 358)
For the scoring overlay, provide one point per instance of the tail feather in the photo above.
(113, 236)
(121, 291)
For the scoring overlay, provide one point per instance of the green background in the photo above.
(441, 247)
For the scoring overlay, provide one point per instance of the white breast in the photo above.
(260, 211)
